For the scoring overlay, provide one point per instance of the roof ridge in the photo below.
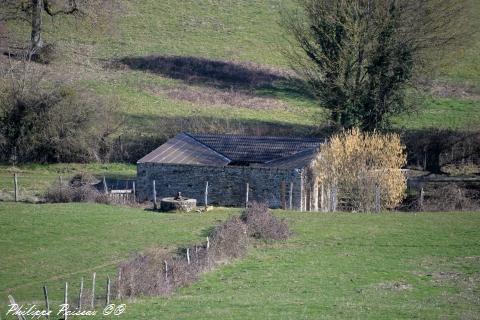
(291, 155)
(207, 146)
(309, 139)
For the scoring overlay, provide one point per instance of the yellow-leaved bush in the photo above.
(364, 169)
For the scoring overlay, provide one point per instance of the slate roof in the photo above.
(183, 149)
(222, 150)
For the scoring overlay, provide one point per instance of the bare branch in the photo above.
(70, 11)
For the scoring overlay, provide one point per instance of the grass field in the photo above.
(34, 179)
(234, 31)
(386, 266)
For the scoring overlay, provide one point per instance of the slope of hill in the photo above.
(246, 37)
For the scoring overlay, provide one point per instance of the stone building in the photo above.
(273, 169)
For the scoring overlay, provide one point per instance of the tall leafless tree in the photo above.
(32, 12)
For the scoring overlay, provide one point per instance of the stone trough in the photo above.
(178, 203)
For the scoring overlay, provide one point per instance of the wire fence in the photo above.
(32, 187)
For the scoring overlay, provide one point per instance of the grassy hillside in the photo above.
(382, 266)
(242, 31)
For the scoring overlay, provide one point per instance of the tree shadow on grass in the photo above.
(241, 76)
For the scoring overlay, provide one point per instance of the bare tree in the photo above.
(32, 12)
(360, 57)
(48, 121)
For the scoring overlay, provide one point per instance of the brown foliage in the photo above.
(215, 97)
(450, 197)
(357, 163)
(229, 240)
(78, 189)
(262, 224)
(45, 122)
(145, 273)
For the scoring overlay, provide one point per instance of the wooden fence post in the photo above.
(108, 291)
(308, 198)
(65, 302)
(15, 184)
(134, 192)
(119, 284)
(208, 243)
(246, 195)
(377, 199)
(315, 196)
(93, 290)
(322, 198)
(206, 195)
(166, 270)
(334, 197)
(305, 200)
(290, 200)
(424, 159)
(13, 303)
(302, 200)
(154, 196)
(420, 202)
(47, 303)
(105, 188)
(188, 255)
(328, 205)
(80, 295)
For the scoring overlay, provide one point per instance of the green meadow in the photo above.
(336, 265)
(235, 31)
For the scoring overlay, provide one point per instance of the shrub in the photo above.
(83, 179)
(46, 54)
(86, 298)
(262, 224)
(44, 122)
(450, 197)
(78, 189)
(59, 193)
(85, 194)
(357, 164)
(144, 274)
(229, 240)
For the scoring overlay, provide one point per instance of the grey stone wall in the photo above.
(227, 185)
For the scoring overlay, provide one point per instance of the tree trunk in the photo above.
(36, 37)
(433, 164)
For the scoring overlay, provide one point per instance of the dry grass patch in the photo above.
(448, 90)
(455, 274)
(394, 286)
(212, 96)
